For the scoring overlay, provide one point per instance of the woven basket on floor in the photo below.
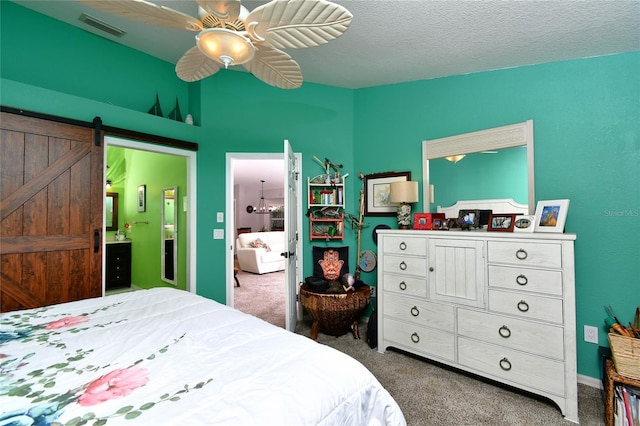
(335, 313)
(626, 355)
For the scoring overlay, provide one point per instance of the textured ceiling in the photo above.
(397, 41)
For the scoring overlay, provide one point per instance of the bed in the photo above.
(165, 356)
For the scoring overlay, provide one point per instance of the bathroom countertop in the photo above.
(111, 241)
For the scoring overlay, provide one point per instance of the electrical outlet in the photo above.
(591, 334)
(372, 292)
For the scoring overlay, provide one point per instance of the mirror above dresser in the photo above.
(496, 163)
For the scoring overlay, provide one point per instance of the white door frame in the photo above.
(189, 201)
(231, 226)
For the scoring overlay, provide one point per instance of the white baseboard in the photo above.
(590, 381)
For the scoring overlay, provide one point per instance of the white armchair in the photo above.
(260, 252)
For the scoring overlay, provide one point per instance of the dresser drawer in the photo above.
(526, 279)
(526, 305)
(405, 265)
(405, 245)
(434, 315)
(547, 255)
(533, 337)
(517, 367)
(410, 286)
(419, 340)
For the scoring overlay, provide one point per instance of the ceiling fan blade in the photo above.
(275, 68)
(297, 23)
(194, 66)
(148, 13)
(224, 10)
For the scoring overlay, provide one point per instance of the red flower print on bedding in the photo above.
(114, 385)
(66, 322)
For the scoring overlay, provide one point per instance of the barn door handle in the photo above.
(96, 240)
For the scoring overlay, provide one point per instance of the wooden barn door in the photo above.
(51, 199)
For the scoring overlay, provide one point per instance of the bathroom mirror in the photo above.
(169, 246)
(499, 164)
(111, 211)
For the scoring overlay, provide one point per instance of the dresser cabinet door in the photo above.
(456, 271)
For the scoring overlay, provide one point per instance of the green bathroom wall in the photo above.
(585, 112)
(156, 172)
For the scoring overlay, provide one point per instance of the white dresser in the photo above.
(500, 305)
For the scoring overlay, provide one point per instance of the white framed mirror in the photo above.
(169, 235)
(499, 164)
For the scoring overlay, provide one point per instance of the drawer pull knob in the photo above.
(403, 286)
(521, 254)
(523, 306)
(505, 364)
(522, 279)
(504, 332)
(403, 266)
(403, 246)
(415, 311)
(415, 338)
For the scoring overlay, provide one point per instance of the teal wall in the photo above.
(587, 148)
(585, 112)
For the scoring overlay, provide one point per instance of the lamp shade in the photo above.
(404, 192)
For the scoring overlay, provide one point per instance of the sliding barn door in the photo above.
(51, 199)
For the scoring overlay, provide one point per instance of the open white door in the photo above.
(291, 233)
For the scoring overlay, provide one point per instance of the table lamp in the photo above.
(404, 193)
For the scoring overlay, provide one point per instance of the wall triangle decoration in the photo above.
(155, 109)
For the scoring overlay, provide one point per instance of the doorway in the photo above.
(187, 202)
(247, 170)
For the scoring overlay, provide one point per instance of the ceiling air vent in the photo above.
(101, 25)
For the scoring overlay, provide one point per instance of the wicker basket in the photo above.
(626, 355)
(335, 313)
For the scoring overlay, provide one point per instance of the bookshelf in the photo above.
(326, 207)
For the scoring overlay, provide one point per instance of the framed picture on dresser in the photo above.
(551, 215)
(501, 222)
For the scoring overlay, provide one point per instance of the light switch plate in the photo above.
(220, 217)
(218, 234)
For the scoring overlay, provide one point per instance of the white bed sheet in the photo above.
(168, 357)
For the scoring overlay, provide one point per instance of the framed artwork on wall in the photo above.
(551, 215)
(377, 189)
(142, 198)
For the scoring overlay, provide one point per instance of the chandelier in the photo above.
(262, 206)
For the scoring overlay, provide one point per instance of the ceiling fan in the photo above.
(228, 34)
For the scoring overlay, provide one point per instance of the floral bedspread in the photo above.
(168, 357)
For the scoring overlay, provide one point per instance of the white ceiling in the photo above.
(392, 41)
(249, 173)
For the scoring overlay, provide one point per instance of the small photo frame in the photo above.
(501, 222)
(425, 221)
(524, 223)
(551, 215)
(142, 198)
(377, 190)
(468, 218)
(439, 224)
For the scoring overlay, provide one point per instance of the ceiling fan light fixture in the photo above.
(225, 46)
(454, 158)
